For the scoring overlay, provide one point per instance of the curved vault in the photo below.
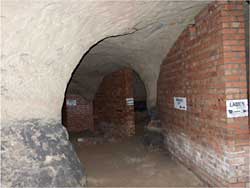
(142, 50)
(43, 42)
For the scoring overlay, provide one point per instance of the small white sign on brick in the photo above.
(237, 108)
(180, 103)
(71, 102)
(130, 101)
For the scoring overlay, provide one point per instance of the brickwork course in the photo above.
(110, 105)
(207, 65)
(78, 117)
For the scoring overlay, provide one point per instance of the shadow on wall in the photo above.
(140, 105)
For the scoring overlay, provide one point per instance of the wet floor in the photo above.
(130, 164)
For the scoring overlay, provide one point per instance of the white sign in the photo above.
(180, 103)
(71, 102)
(237, 108)
(130, 101)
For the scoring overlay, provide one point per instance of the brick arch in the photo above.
(113, 105)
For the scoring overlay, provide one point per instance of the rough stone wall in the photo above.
(110, 103)
(78, 117)
(43, 42)
(38, 154)
(207, 66)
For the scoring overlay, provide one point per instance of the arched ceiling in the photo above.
(142, 50)
(44, 40)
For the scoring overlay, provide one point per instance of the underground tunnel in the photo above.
(125, 94)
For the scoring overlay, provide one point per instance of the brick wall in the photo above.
(77, 117)
(110, 103)
(207, 66)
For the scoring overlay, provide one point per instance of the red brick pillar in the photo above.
(207, 66)
(129, 110)
(110, 103)
(238, 135)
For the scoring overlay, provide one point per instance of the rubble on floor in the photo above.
(107, 133)
(104, 133)
(153, 136)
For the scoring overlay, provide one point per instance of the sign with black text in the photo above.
(130, 101)
(71, 102)
(180, 103)
(237, 108)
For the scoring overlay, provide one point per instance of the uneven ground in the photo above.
(130, 164)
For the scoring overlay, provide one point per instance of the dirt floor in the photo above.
(130, 164)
